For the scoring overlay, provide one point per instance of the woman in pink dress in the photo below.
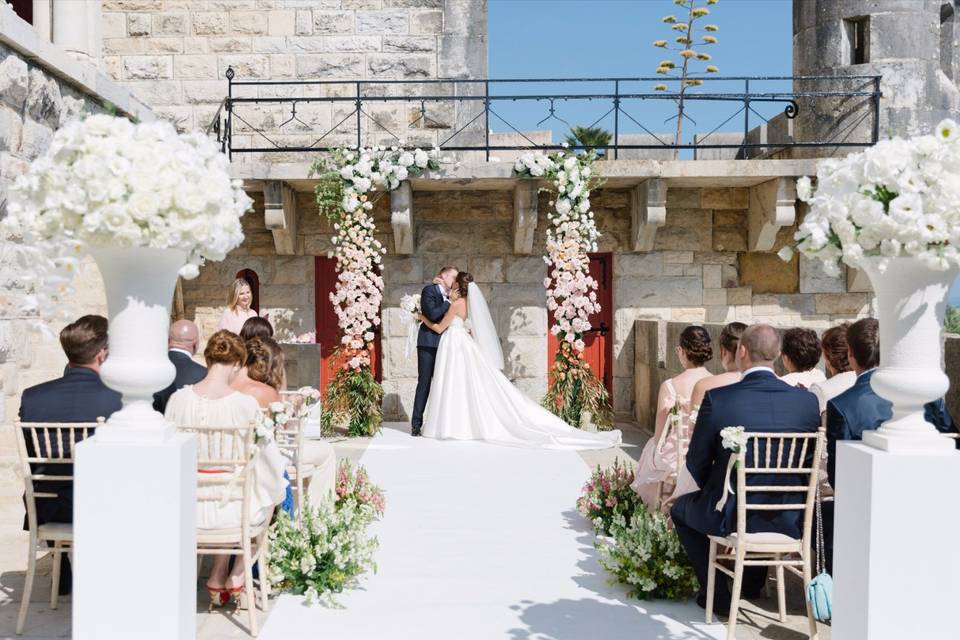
(238, 307)
(657, 468)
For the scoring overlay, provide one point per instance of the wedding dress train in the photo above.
(471, 399)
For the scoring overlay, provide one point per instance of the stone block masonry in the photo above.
(173, 54)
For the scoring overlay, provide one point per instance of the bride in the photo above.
(471, 399)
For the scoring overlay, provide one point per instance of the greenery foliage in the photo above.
(606, 495)
(952, 324)
(331, 550)
(573, 388)
(645, 554)
(353, 399)
(592, 138)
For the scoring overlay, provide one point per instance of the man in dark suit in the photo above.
(183, 341)
(79, 396)
(759, 402)
(433, 304)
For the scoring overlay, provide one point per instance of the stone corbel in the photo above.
(525, 196)
(280, 215)
(401, 218)
(648, 212)
(772, 206)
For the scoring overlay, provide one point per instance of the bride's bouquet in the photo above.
(411, 304)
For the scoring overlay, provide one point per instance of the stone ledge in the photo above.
(22, 38)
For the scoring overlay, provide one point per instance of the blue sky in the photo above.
(614, 38)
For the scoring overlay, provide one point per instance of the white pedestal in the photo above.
(135, 535)
(895, 562)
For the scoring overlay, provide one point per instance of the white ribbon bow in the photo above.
(727, 489)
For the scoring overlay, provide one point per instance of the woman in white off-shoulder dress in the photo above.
(471, 399)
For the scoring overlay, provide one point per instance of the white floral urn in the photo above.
(911, 304)
(139, 283)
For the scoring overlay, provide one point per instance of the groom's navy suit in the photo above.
(434, 306)
(759, 402)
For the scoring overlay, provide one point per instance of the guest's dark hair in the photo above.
(835, 347)
(276, 376)
(863, 336)
(225, 347)
(730, 336)
(463, 282)
(695, 342)
(259, 360)
(256, 327)
(83, 339)
(802, 346)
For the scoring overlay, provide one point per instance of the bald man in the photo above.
(183, 341)
(759, 402)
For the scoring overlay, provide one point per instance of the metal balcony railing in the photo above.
(304, 116)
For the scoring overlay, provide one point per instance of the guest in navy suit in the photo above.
(183, 341)
(434, 305)
(759, 402)
(79, 396)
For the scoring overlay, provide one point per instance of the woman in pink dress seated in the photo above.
(657, 469)
(238, 307)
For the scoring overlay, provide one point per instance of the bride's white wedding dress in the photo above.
(471, 399)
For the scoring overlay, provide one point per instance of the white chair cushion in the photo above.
(57, 531)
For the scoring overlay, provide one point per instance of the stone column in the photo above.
(76, 28)
(43, 18)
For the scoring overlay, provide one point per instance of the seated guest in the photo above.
(79, 396)
(658, 460)
(238, 307)
(729, 340)
(316, 453)
(839, 375)
(252, 378)
(759, 402)
(256, 327)
(213, 401)
(183, 341)
(800, 355)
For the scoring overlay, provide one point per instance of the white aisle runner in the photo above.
(482, 542)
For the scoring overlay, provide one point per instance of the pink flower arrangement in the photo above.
(355, 484)
(606, 494)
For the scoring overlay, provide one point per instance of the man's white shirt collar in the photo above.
(866, 372)
(183, 351)
(443, 291)
(755, 369)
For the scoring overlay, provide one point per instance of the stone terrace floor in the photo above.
(758, 619)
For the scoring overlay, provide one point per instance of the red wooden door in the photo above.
(328, 332)
(599, 340)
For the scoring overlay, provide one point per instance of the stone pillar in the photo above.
(43, 18)
(76, 28)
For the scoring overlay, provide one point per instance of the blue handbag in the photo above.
(820, 589)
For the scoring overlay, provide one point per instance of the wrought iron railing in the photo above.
(841, 111)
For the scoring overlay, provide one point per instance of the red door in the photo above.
(599, 340)
(328, 332)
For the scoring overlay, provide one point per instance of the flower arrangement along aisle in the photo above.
(347, 178)
(107, 182)
(574, 393)
(332, 549)
(606, 495)
(893, 210)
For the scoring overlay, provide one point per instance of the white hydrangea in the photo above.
(897, 198)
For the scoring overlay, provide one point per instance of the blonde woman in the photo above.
(238, 307)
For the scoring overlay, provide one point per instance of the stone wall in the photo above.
(174, 53)
(698, 272)
(41, 88)
(656, 361)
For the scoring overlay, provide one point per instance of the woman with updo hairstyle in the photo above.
(213, 401)
(656, 475)
(239, 299)
(729, 341)
(256, 327)
(840, 376)
(257, 369)
(800, 354)
(277, 375)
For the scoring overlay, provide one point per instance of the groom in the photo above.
(434, 304)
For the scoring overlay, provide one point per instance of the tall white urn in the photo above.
(139, 283)
(911, 304)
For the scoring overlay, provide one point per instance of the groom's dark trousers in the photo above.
(434, 307)
(759, 402)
